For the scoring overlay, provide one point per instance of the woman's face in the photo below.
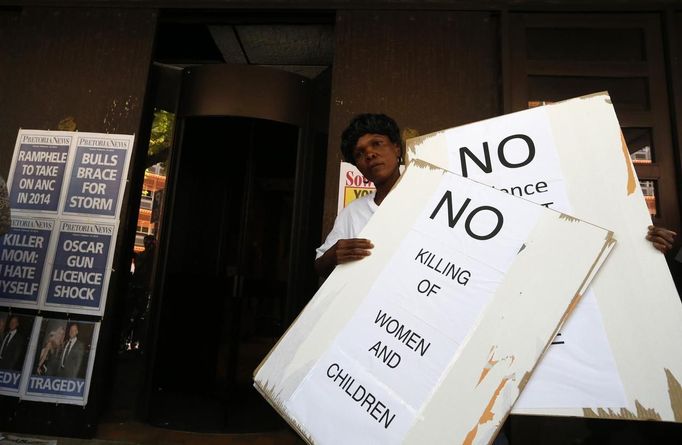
(59, 335)
(377, 158)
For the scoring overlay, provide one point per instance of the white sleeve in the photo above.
(341, 230)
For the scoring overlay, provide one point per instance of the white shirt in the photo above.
(6, 340)
(67, 348)
(349, 222)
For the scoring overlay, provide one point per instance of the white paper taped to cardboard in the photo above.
(611, 360)
(371, 356)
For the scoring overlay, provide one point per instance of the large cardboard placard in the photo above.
(618, 355)
(464, 289)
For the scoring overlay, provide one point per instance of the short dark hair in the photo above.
(368, 123)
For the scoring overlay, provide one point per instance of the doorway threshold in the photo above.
(138, 433)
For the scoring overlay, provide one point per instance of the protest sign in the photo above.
(15, 333)
(63, 353)
(352, 185)
(464, 289)
(611, 361)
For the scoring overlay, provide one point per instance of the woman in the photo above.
(372, 143)
(49, 355)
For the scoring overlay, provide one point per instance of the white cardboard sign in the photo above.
(464, 289)
(611, 360)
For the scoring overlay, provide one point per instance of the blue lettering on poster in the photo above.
(79, 269)
(95, 181)
(38, 176)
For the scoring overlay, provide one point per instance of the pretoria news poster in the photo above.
(66, 192)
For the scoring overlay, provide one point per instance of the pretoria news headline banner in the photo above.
(15, 335)
(61, 358)
(66, 191)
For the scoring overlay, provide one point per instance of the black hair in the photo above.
(368, 123)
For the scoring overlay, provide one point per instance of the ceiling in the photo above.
(305, 48)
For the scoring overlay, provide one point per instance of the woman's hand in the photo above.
(343, 251)
(661, 238)
(353, 249)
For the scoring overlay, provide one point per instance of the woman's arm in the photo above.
(343, 251)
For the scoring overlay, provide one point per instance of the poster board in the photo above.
(65, 191)
(352, 185)
(571, 157)
(14, 350)
(441, 318)
(57, 370)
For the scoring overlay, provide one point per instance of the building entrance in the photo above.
(241, 217)
(225, 284)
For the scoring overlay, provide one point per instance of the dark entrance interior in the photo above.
(232, 190)
(226, 275)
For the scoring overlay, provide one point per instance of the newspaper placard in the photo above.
(63, 354)
(38, 167)
(23, 253)
(15, 334)
(98, 175)
(79, 277)
(78, 180)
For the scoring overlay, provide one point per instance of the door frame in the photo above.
(242, 91)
